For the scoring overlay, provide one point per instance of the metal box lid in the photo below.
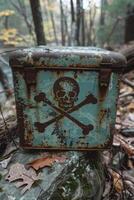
(68, 57)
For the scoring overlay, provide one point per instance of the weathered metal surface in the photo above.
(68, 57)
(65, 108)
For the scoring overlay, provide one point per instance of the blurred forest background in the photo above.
(66, 22)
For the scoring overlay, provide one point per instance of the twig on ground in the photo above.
(128, 82)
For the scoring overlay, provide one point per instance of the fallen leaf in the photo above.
(128, 148)
(4, 163)
(22, 177)
(129, 185)
(117, 181)
(130, 107)
(45, 162)
(130, 164)
(131, 116)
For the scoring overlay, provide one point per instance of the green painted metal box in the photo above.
(66, 97)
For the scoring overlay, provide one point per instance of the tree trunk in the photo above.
(72, 33)
(129, 24)
(80, 27)
(102, 13)
(78, 11)
(62, 24)
(72, 11)
(83, 27)
(66, 30)
(53, 24)
(54, 28)
(38, 21)
(89, 28)
(6, 22)
(47, 18)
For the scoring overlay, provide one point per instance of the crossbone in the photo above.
(85, 128)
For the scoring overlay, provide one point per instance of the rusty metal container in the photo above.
(66, 97)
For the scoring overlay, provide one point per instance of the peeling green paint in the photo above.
(62, 109)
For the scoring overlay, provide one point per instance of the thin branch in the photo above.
(128, 82)
(21, 9)
(6, 127)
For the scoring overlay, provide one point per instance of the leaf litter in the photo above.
(119, 161)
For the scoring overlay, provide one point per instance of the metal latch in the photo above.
(104, 79)
(30, 76)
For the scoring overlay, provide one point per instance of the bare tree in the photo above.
(72, 34)
(91, 36)
(66, 25)
(78, 12)
(102, 13)
(6, 22)
(82, 26)
(38, 21)
(47, 17)
(129, 24)
(21, 9)
(72, 11)
(89, 32)
(53, 22)
(62, 24)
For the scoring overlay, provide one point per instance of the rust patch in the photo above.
(30, 76)
(104, 78)
(40, 126)
(20, 119)
(40, 97)
(28, 132)
(102, 114)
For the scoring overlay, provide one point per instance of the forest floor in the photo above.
(119, 161)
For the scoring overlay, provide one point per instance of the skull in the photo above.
(66, 91)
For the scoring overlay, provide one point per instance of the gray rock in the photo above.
(80, 177)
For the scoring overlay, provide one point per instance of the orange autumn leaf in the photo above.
(117, 181)
(130, 107)
(45, 162)
(130, 164)
(128, 148)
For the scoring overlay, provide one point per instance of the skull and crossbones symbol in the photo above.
(66, 91)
